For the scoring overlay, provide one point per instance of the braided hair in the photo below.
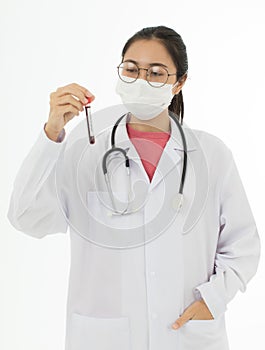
(177, 50)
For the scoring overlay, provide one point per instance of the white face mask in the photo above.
(142, 100)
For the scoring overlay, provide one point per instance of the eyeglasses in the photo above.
(156, 76)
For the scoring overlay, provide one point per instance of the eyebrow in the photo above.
(150, 64)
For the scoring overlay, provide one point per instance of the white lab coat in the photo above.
(127, 299)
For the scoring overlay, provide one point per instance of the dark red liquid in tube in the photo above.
(89, 122)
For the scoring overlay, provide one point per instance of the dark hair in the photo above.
(177, 50)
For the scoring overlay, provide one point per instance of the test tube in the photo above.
(89, 123)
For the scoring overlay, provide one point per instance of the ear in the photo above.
(179, 84)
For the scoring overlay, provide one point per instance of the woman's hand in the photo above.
(65, 103)
(196, 311)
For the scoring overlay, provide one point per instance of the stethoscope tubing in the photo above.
(127, 161)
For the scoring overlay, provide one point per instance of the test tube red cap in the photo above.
(89, 99)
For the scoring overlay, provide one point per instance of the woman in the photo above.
(144, 276)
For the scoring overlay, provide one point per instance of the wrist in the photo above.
(54, 135)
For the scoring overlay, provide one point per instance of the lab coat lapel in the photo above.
(172, 155)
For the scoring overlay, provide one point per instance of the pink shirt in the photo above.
(149, 146)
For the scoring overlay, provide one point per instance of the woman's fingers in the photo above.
(76, 90)
(185, 317)
(69, 99)
(69, 110)
(196, 311)
(65, 103)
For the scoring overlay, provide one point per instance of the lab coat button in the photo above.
(152, 273)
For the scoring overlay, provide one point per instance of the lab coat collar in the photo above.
(173, 149)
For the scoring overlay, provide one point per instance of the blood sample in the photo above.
(89, 122)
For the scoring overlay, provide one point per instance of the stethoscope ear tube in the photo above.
(114, 130)
(114, 149)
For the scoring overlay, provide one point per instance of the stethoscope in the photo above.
(177, 200)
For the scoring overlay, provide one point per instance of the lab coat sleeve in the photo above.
(238, 249)
(34, 207)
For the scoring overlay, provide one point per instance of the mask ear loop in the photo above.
(181, 97)
(176, 84)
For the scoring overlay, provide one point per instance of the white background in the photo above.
(47, 44)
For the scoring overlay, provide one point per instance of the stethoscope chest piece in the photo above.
(177, 202)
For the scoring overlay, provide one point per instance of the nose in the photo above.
(143, 73)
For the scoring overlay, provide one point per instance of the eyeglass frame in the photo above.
(146, 69)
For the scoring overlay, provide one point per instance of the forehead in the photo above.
(146, 52)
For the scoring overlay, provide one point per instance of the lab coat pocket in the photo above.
(94, 333)
(204, 334)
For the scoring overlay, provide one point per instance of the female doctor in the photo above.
(158, 272)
